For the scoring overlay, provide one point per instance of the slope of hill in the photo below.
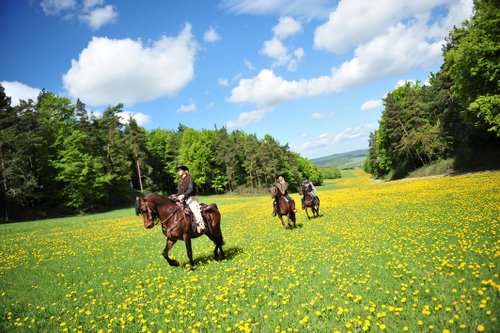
(348, 160)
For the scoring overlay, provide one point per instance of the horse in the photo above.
(310, 202)
(284, 207)
(176, 223)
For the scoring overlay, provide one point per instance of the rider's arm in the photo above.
(189, 190)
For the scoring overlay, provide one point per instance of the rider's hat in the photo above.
(182, 167)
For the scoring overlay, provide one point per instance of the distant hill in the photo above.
(349, 160)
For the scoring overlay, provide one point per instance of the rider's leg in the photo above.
(196, 209)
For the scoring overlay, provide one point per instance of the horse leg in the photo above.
(216, 236)
(307, 213)
(189, 249)
(170, 243)
(282, 222)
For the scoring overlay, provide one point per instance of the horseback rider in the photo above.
(186, 193)
(282, 186)
(310, 188)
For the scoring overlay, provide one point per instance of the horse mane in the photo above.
(154, 197)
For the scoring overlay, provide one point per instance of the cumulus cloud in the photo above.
(54, 7)
(141, 118)
(268, 89)
(223, 82)
(401, 39)
(355, 22)
(98, 17)
(110, 71)
(249, 65)
(18, 91)
(91, 12)
(286, 27)
(247, 118)
(191, 107)
(276, 49)
(317, 116)
(371, 104)
(330, 139)
(211, 36)
(306, 9)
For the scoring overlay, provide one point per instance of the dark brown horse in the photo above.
(284, 207)
(176, 223)
(310, 202)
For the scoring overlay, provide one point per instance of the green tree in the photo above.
(81, 173)
(472, 59)
(162, 147)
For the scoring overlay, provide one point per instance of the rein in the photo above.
(157, 220)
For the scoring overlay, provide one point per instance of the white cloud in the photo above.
(54, 7)
(141, 118)
(91, 12)
(188, 108)
(391, 50)
(111, 71)
(211, 36)
(249, 65)
(401, 83)
(247, 118)
(317, 116)
(223, 82)
(286, 27)
(18, 91)
(274, 48)
(357, 21)
(331, 139)
(307, 9)
(88, 5)
(98, 17)
(371, 104)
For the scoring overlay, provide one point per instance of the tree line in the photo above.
(56, 157)
(455, 115)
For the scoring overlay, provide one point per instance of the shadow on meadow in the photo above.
(230, 254)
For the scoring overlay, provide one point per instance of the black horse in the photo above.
(176, 223)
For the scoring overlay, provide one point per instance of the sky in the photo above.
(310, 73)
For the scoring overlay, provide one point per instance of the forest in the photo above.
(454, 117)
(58, 158)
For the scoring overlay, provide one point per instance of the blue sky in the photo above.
(311, 73)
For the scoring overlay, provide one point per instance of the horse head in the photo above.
(274, 190)
(146, 209)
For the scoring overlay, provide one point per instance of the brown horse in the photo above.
(310, 202)
(284, 207)
(176, 223)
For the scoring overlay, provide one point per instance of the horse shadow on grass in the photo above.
(230, 253)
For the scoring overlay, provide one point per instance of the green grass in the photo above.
(421, 255)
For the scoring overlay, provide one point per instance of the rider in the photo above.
(186, 192)
(282, 186)
(310, 188)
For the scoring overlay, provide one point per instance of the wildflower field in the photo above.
(413, 255)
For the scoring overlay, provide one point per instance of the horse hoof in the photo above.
(173, 263)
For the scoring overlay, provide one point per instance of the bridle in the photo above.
(156, 221)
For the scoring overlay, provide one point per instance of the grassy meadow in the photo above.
(418, 255)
